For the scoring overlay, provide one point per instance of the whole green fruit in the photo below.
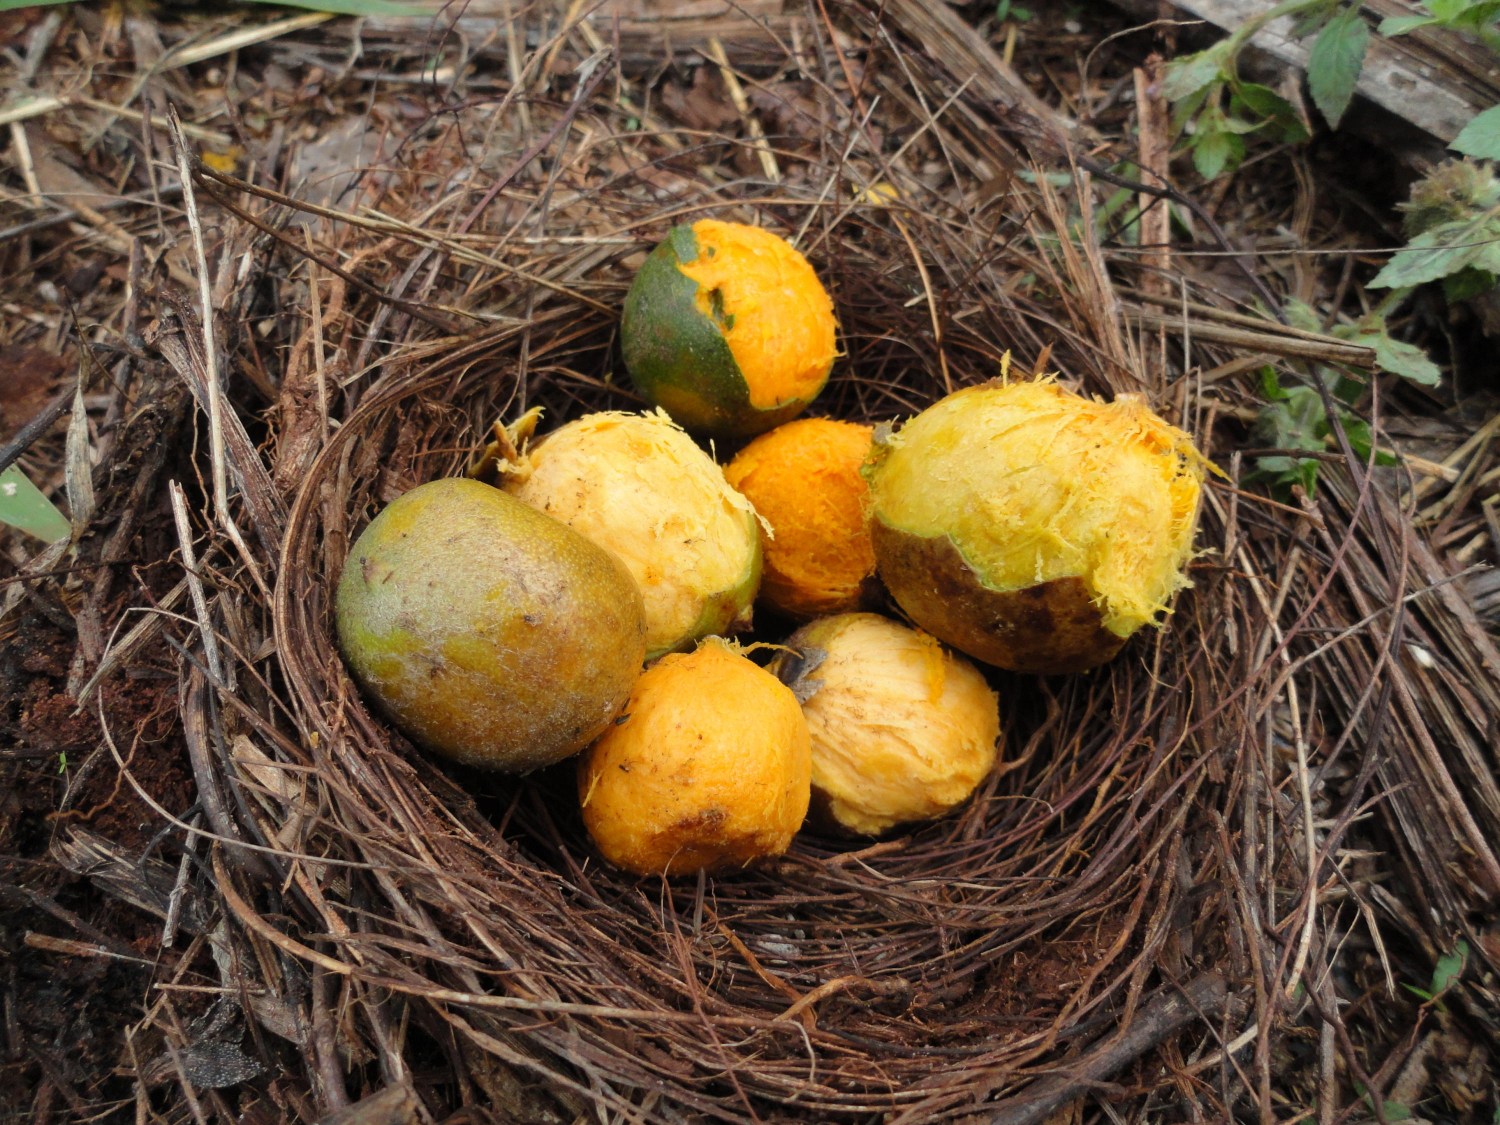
(490, 633)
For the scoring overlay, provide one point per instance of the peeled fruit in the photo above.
(489, 633)
(708, 769)
(804, 480)
(902, 730)
(1032, 528)
(728, 329)
(637, 485)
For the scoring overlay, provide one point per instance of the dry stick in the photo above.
(1155, 223)
(742, 106)
(421, 312)
(31, 226)
(32, 430)
(195, 582)
(210, 359)
(580, 98)
(1326, 350)
(1163, 1017)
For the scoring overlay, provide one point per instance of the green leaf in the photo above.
(23, 505)
(1448, 968)
(1285, 472)
(1295, 420)
(1335, 61)
(1446, 11)
(1308, 21)
(1217, 152)
(1362, 441)
(1191, 73)
(1476, 16)
(1272, 108)
(1400, 25)
(1299, 314)
(1471, 281)
(1185, 110)
(1442, 250)
(1396, 356)
(1480, 138)
(1407, 360)
(1270, 384)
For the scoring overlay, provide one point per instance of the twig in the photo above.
(39, 424)
(213, 388)
(1165, 1016)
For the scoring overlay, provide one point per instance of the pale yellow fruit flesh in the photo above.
(638, 485)
(902, 730)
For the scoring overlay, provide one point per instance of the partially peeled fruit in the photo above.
(639, 486)
(728, 329)
(804, 480)
(1032, 528)
(707, 770)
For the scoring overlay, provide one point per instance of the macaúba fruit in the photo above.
(708, 769)
(804, 479)
(639, 486)
(1032, 528)
(728, 329)
(902, 729)
(489, 633)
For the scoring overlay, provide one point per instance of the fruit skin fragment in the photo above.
(728, 329)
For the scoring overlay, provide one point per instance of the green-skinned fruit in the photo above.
(728, 329)
(489, 633)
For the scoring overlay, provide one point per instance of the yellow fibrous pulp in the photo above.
(1032, 483)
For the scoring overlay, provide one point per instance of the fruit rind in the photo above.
(1049, 628)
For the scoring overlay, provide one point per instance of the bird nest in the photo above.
(1128, 897)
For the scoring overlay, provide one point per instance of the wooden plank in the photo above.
(1435, 79)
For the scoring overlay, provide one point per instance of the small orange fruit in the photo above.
(708, 769)
(804, 480)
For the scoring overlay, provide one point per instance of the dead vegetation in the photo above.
(1203, 885)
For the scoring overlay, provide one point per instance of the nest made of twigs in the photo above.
(1102, 900)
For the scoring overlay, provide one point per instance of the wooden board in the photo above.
(1437, 80)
